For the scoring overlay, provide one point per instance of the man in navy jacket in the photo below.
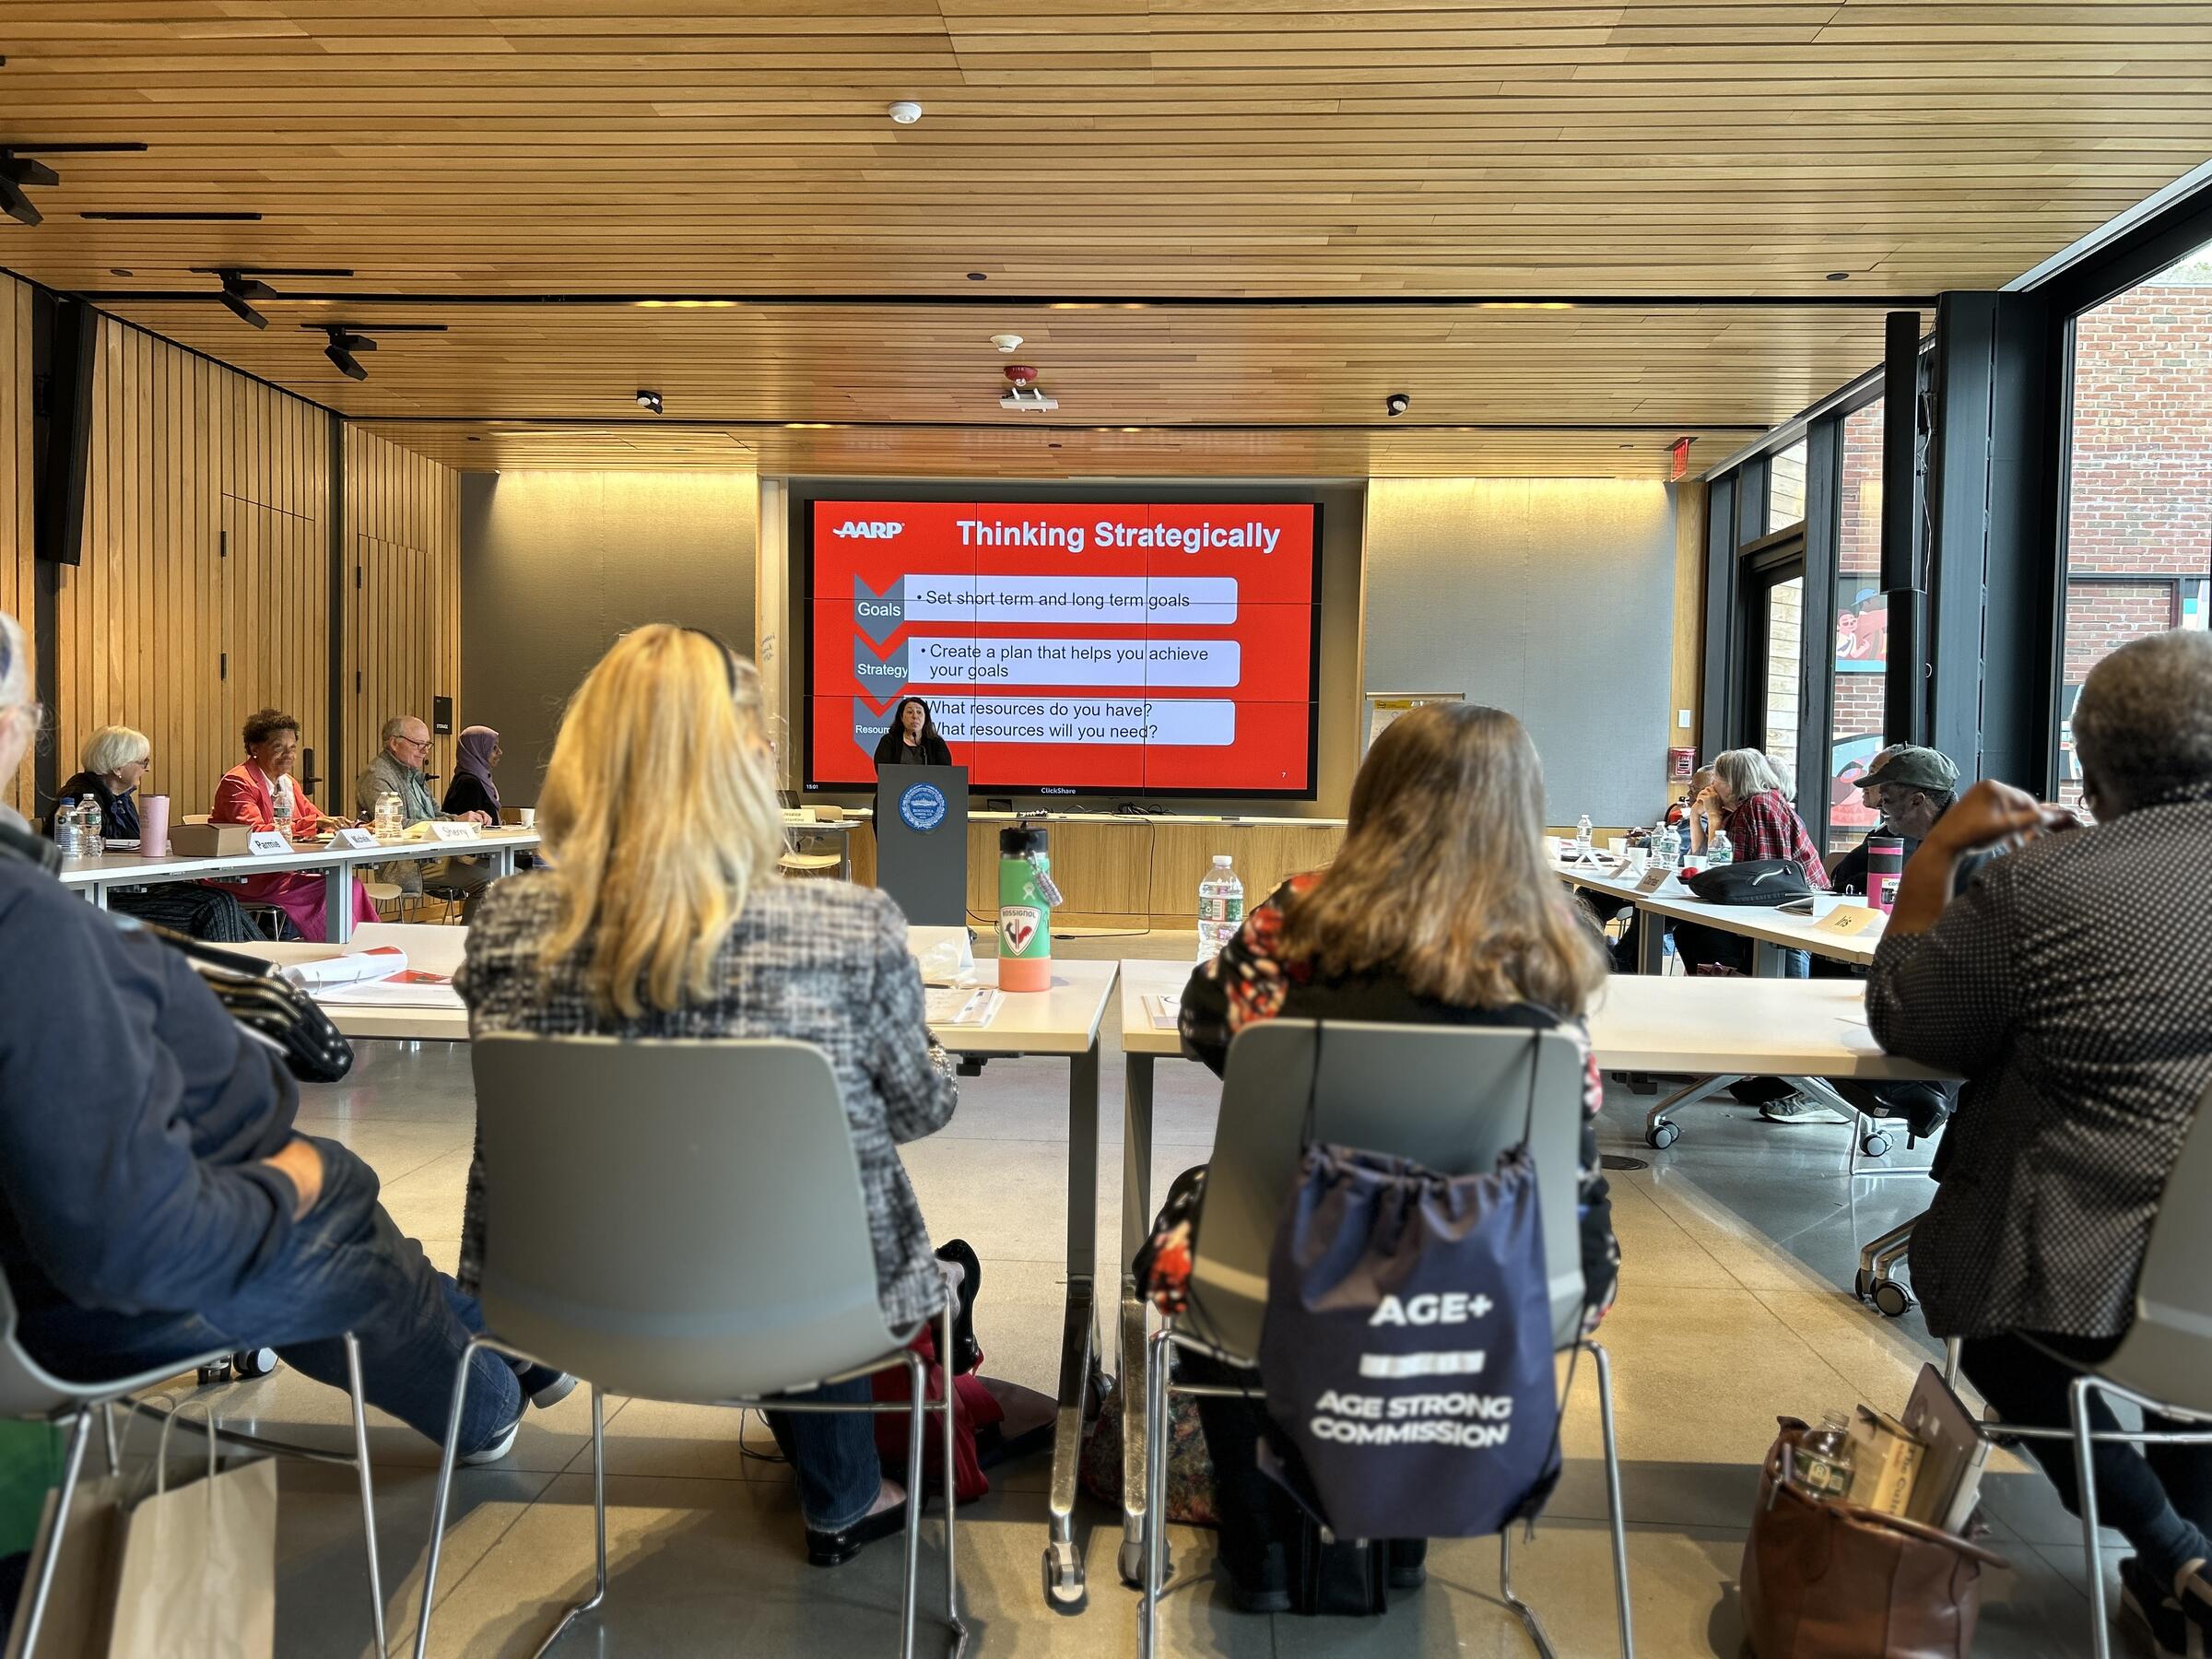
(156, 1202)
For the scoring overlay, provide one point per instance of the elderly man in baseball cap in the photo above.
(1910, 787)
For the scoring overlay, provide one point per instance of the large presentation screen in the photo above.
(1068, 647)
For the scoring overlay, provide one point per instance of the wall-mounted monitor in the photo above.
(1068, 647)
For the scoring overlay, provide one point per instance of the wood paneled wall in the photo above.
(16, 587)
(402, 597)
(203, 593)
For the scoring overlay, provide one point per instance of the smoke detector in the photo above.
(906, 112)
(1006, 342)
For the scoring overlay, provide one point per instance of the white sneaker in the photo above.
(1797, 1108)
(496, 1447)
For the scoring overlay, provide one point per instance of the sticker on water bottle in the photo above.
(1018, 927)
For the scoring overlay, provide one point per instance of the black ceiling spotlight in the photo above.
(18, 170)
(649, 400)
(243, 283)
(1396, 403)
(345, 341)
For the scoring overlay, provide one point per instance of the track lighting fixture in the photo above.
(19, 170)
(649, 400)
(16, 172)
(242, 284)
(343, 341)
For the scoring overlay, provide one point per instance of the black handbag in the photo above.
(1762, 881)
(267, 1006)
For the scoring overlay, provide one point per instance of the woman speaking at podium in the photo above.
(912, 738)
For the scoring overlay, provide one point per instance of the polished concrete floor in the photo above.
(1739, 1243)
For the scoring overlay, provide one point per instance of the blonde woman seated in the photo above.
(673, 924)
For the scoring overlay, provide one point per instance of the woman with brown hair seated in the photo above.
(1440, 910)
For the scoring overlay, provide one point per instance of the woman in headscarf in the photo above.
(473, 788)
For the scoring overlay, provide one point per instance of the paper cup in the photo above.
(528, 815)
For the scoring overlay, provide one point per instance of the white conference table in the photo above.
(1771, 931)
(1061, 1023)
(1731, 1026)
(96, 878)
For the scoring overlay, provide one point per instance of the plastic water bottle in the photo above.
(280, 804)
(387, 816)
(1670, 848)
(1220, 908)
(1582, 834)
(88, 825)
(67, 834)
(1720, 849)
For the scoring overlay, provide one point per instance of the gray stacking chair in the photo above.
(683, 1221)
(2164, 1363)
(30, 1392)
(1450, 1096)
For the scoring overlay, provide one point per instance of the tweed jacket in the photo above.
(821, 962)
(2071, 985)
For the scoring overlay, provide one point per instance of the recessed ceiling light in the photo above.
(976, 276)
(1839, 275)
(906, 112)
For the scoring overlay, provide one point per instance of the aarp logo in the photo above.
(868, 530)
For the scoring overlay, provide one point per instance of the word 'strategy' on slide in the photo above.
(1067, 646)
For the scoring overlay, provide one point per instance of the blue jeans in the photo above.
(345, 1267)
(833, 1454)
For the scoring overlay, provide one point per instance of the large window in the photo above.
(2140, 484)
(1862, 660)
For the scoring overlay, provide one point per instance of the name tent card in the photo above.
(357, 841)
(1848, 920)
(267, 844)
(1654, 879)
(442, 829)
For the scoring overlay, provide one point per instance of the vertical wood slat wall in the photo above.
(203, 593)
(16, 585)
(205, 589)
(403, 608)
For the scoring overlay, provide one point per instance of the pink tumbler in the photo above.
(153, 826)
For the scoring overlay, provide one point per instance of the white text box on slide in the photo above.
(1194, 722)
(938, 660)
(1184, 601)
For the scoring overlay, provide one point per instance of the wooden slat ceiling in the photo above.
(1146, 149)
(1060, 453)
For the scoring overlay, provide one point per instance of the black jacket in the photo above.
(466, 794)
(133, 1114)
(890, 750)
(118, 813)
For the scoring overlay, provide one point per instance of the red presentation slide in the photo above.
(1067, 646)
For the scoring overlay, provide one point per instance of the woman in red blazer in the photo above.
(248, 794)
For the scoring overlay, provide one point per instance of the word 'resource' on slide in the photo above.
(1199, 723)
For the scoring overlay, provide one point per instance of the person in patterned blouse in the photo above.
(2071, 986)
(1439, 910)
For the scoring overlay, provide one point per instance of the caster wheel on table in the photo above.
(1891, 1300)
(253, 1362)
(1874, 1143)
(1661, 1134)
(1063, 1589)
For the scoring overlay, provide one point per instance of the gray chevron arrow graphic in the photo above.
(883, 676)
(888, 605)
(868, 726)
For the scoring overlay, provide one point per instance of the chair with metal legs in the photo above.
(684, 1221)
(30, 1392)
(1452, 1097)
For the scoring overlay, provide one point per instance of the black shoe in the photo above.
(2158, 1612)
(1408, 1563)
(835, 1548)
(967, 1354)
(1261, 1586)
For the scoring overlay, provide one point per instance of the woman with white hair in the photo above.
(2071, 986)
(116, 759)
(1750, 798)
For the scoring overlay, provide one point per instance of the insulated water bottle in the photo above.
(1026, 898)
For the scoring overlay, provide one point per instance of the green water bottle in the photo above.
(1026, 898)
